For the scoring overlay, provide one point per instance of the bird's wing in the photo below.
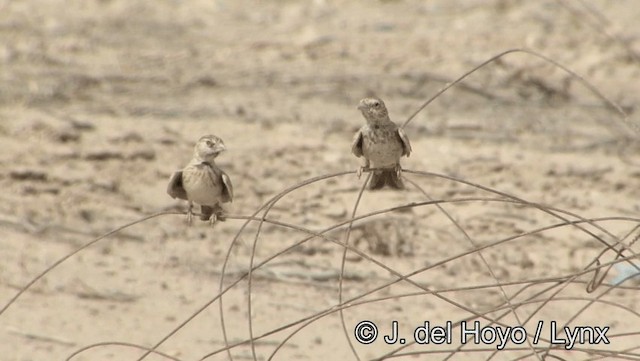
(356, 144)
(227, 188)
(406, 146)
(175, 188)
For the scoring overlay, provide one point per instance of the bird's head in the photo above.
(373, 109)
(208, 148)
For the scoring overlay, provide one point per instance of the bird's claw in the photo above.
(213, 219)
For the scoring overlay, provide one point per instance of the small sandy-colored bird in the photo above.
(381, 142)
(202, 182)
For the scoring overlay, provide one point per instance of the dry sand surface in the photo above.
(101, 100)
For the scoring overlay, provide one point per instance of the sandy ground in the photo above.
(102, 100)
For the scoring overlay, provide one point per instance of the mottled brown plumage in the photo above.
(381, 142)
(202, 182)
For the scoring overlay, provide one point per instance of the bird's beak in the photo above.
(361, 106)
(221, 148)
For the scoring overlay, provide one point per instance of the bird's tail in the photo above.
(387, 177)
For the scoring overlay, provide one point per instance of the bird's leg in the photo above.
(190, 213)
(213, 219)
(362, 168)
(398, 170)
(217, 214)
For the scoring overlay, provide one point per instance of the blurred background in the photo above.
(101, 100)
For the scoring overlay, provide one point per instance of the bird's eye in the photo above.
(376, 104)
(209, 143)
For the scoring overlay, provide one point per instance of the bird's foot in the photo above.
(190, 214)
(360, 170)
(213, 219)
(398, 171)
(217, 216)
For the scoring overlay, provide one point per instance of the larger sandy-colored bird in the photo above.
(202, 182)
(382, 143)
